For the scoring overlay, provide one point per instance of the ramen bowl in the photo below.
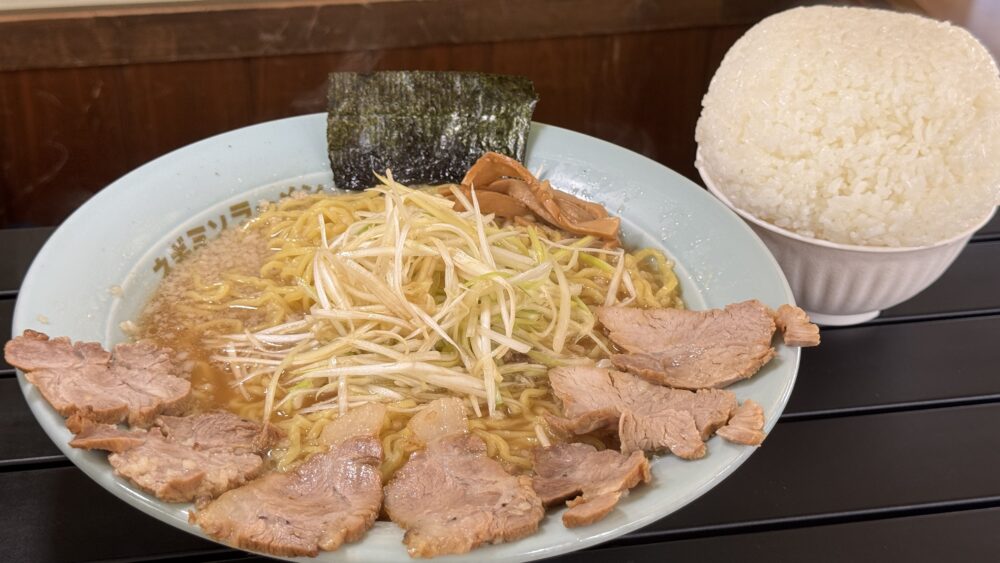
(145, 223)
(844, 284)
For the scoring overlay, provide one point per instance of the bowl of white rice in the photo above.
(863, 147)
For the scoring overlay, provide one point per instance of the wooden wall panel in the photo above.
(570, 76)
(619, 88)
(640, 90)
(720, 39)
(234, 29)
(285, 86)
(294, 85)
(87, 95)
(167, 106)
(61, 138)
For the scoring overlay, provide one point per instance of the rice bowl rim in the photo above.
(710, 184)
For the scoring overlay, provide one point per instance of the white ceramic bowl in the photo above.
(844, 284)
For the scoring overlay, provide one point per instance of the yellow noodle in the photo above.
(284, 291)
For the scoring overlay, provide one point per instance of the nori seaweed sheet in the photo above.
(427, 127)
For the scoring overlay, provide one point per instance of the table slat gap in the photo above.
(985, 237)
(925, 317)
(792, 524)
(899, 366)
(35, 463)
(885, 409)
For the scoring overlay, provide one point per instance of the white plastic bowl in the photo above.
(844, 284)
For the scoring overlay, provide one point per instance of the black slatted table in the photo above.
(887, 451)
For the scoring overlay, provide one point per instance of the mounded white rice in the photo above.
(856, 126)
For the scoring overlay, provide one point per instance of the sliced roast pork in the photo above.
(701, 349)
(91, 435)
(218, 430)
(591, 481)
(450, 497)
(645, 416)
(439, 418)
(589, 398)
(795, 326)
(363, 420)
(710, 408)
(667, 429)
(746, 425)
(135, 383)
(181, 459)
(694, 366)
(331, 498)
(691, 349)
(593, 395)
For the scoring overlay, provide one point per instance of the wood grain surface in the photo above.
(204, 30)
(69, 132)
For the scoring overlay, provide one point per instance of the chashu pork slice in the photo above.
(746, 425)
(710, 408)
(668, 429)
(363, 420)
(796, 327)
(696, 366)
(691, 349)
(181, 459)
(135, 383)
(595, 398)
(90, 435)
(590, 481)
(451, 497)
(440, 418)
(702, 349)
(645, 416)
(331, 498)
